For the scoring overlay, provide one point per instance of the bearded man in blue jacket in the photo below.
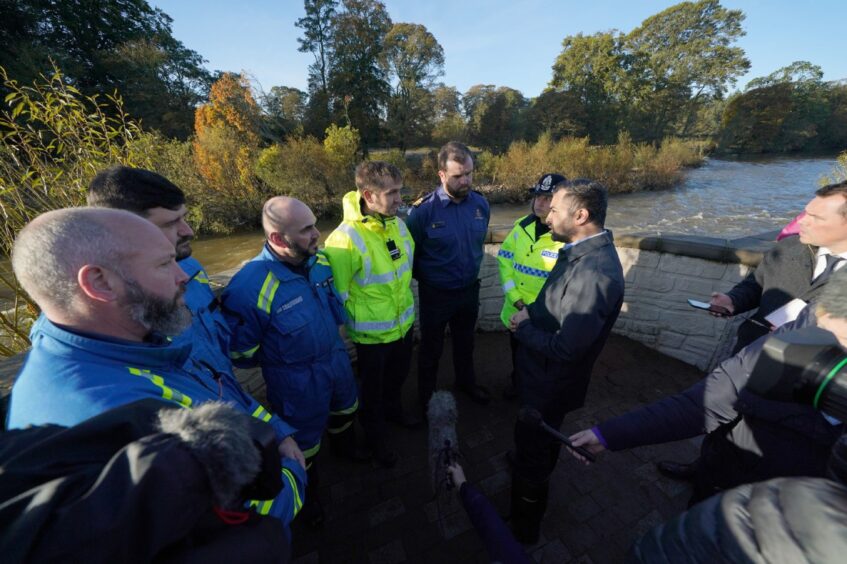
(109, 305)
(162, 203)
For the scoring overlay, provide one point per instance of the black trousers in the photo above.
(513, 345)
(438, 308)
(383, 368)
(536, 452)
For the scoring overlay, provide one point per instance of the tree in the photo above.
(791, 109)
(448, 123)
(594, 70)
(357, 82)
(413, 60)
(318, 31)
(798, 72)
(681, 57)
(285, 110)
(494, 115)
(561, 114)
(123, 45)
(227, 134)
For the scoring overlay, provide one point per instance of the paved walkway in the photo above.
(388, 516)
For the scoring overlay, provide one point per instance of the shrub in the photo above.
(53, 140)
(623, 167)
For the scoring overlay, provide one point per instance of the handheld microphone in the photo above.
(533, 418)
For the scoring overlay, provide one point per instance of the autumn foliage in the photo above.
(227, 137)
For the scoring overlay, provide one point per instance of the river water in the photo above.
(722, 198)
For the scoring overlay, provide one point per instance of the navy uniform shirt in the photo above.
(449, 238)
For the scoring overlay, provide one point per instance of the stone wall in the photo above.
(661, 273)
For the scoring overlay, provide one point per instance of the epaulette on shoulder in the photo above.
(526, 221)
(420, 200)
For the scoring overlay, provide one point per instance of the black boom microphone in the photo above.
(533, 418)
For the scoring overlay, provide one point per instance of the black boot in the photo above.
(312, 512)
(343, 445)
(529, 503)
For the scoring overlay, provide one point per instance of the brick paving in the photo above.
(383, 516)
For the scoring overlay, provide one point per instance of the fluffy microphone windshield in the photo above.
(443, 444)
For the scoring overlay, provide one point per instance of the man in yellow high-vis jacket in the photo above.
(371, 254)
(526, 257)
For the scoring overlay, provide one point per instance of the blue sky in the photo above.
(501, 42)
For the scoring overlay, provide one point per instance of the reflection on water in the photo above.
(722, 199)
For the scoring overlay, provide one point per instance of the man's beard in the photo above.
(458, 192)
(169, 317)
(300, 253)
(183, 248)
(565, 237)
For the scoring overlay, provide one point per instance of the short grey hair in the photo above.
(50, 250)
(833, 297)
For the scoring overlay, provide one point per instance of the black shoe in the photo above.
(358, 454)
(676, 470)
(313, 513)
(405, 420)
(510, 393)
(510, 459)
(477, 394)
(385, 458)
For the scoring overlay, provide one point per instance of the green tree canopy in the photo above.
(357, 82)
(104, 46)
(413, 59)
(317, 26)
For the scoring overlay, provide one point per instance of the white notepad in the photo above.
(786, 313)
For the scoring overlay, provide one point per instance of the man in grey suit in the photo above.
(561, 335)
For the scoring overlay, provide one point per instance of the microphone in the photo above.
(442, 416)
(533, 418)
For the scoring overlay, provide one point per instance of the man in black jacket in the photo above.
(561, 335)
(796, 267)
(748, 438)
(781, 520)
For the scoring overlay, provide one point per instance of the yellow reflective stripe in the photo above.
(261, 413)
(310, 452)
(322, 259)
(201, 277)
(347, 411)
(262, 507)
(337, 430)
(298, 504)
(246, 354)
(267, 293)
(167, 392)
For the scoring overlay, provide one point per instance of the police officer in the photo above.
(525, 259)
(284, 315)
(108, 303)
(449, 227)
(371, 256)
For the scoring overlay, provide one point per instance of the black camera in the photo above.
(807, 366)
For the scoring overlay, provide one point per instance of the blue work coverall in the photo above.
(287, 323)
(69, 377)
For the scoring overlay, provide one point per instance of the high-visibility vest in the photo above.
(371, 259)
(524, 261)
